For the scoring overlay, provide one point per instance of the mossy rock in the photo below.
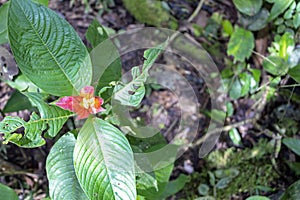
(151, 12)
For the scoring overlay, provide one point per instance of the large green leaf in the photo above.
(50, 121)
(248, 7)
(278, 8)
(3, 23)
(293, 144)
(241, 44)
(103, 162)
(48, 52)
(132, 93)
(175, 186)
(63, 183)
(7, 193)
(105, 57)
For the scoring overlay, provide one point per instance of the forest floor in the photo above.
(160, 107)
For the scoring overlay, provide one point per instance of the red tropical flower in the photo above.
(84, 104)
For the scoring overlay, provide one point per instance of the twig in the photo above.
(195, 13)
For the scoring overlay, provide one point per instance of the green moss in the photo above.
(151, 12)
(253, 165)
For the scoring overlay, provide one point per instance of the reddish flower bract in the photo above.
(84, 104)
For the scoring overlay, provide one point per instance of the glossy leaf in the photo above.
(259, 21)
(48, 52)
(50, 121)
(293, 144)
(278, 8)
(105, 58)
(241, 44)
(3, 23)
(7, 193)
(104, 162)
(132, 93)
(248, 7)
(63, 183)
(292, 192)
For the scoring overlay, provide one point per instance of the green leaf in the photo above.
(50, 121)
(296, 20)
(223, 183)
(235, 90)
(63, 183)
(132, 93)
(22, 83)
(227, 27)
(104, 162)
(275, 65)
(3, 23)
(17, 102)
(248, 7)
(7, 193)
(293, 144)
(203, 189)
(257, 198)
(278, 8)
(105, 58)
(175, 186)
(259, 21)
(241, 44)
(295, 73)
(235, 136)
(55, 61)
(292, 192)
(286, 45)
(245, 79)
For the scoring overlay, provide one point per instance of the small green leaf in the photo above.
(235, 136)
(259, 21)
(292, 192)
(293, 144)
(248, 7)
(295, 73)
(229, 109)
(55, 61)
(203, 189)
(174, 186)
(223, 183)
(275, 65)
(278, 8)
(241, 44)
(63, 183)
(257, 198)
(245, 80)
(227, 27)
(132, 93)
(286, 45)
(235, 90)
(104, 162)
(296, 20)
(17, 102)
(7, 193)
